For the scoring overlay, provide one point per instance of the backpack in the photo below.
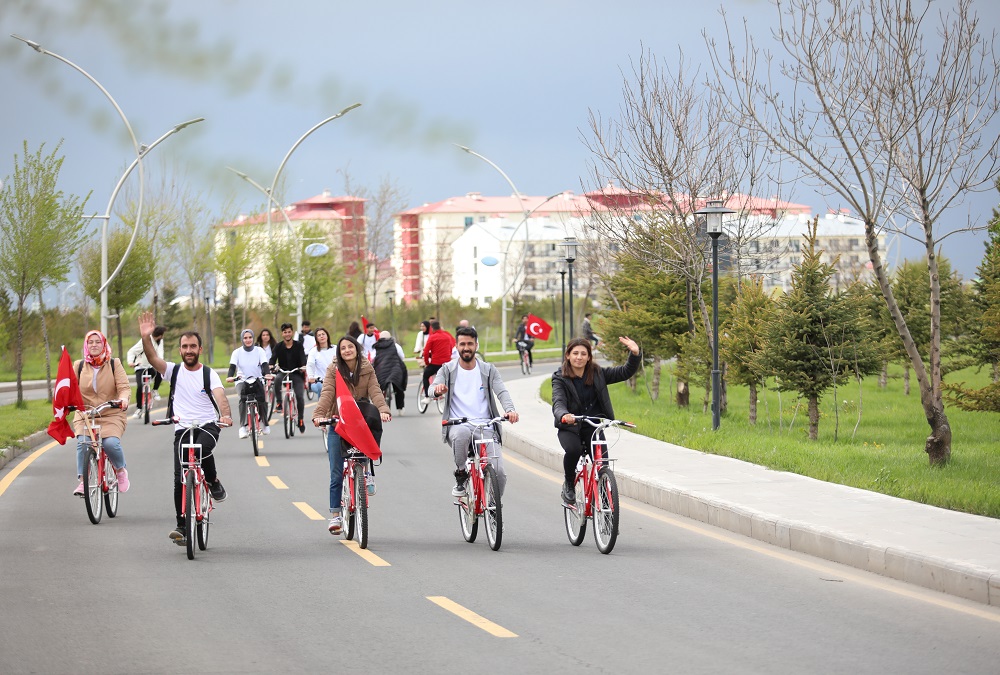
(208, 389)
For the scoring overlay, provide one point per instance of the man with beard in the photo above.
(472, 387)
(196, 395)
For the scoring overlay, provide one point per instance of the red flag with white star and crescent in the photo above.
(538, 327)
(66, 395)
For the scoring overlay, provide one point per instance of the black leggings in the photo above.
(207, 436)
(574, 441)
(254, 390)
(400, 396)
(155, 384)
(429, 373)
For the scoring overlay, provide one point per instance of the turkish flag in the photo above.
(352, 426)
(538, 328)
(67, 395)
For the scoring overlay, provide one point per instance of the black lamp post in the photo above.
(713, 213)
(390, 299)
(570, 243)
(562, 280)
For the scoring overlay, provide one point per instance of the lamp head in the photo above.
(570, 243)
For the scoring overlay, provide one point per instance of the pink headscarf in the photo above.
(96, 361)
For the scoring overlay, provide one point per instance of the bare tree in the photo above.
(438, 273)
(192, 244)
(871, 113)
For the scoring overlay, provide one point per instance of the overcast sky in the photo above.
(513, 80)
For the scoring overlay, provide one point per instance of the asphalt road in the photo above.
(275, 592)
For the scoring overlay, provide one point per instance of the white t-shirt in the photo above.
(318, 361)
(191, 404)
(308, 340)
(248, 363)
(468, 396)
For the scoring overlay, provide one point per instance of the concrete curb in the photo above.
(35, 440)
(951, 576)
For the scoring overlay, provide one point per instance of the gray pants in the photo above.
(460, 438)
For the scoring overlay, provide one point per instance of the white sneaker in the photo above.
(244, 432)
(267, 430)
(138, 413)
(336, 525)
(399, 413)
(426, 400)
(156, 396)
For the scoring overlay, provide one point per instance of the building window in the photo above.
(476, 289)
(852, 244)
(482, 219)
(637, 217)
(754, 247)
(475, 270)
(475, 251)
(488, 300)
(794, 245)
(468, 221)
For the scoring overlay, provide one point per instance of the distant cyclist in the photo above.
(319, 360)
(289, 355)
(266, 341)
(437, 352)
(390, 368)
(250, 361)
(306, 337)
(472, 387)
(580, 388)
(523, 336)
(137, 359)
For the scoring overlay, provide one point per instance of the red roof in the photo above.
(474, 202)
(321, 207)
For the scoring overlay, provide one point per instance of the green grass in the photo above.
(886, 455)
(19, 423)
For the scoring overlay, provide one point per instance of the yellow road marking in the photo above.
(262, 461)
(470, 616)
(16, 471)
(365, 553)
(865, 578)
(310, 512)
(277, 483)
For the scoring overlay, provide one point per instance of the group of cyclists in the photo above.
(369, 362)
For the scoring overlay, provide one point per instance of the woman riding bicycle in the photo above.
(390, 368)
(318, 360)
(101, 381)
(250, 362)
(359, 375)
(580, 388)
(523, 337)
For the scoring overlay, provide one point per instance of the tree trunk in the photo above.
(631, 383)
(706, 402)
(232, 321)
(753, 404)
(657, 367)
(883, 375)
(723, 390)
(906, 379)
(45, 340)
(683, 394)
(813, 418)
(118, 329)
(938, 444)
(19, 351)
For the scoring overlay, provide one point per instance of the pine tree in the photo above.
(744, 338)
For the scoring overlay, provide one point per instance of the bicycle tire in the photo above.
(111, 496)
(576, 519)
(146, 405)
(361, 504)
(492, 508)
(204, 522)
(348, 527)
(286, 415)
(293, 417)
(606, 510)
(92, 496)
(254, 422)
(467, 513)
(527, 365)
(310, 394)
(439, 402)
(269, 403)
(191, 518)
(524, 365)
(421, 405)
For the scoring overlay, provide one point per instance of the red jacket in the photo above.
(437, 350)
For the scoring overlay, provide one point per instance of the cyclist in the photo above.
(368, 340)
(588, 330)
(101, 381)
(266, 341)
(580, 388)
(390, 368)
(422, 332)
(359, 375)
(137, 359)
(522, 336)
(196, 393)
(306, 337)
(471, 385)
(437, 352)
(318, 360)
(289, 355)
(250, 361)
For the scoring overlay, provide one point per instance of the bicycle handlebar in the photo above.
(599, 422)
(289, 372)
(96, 410)
(328, 422)
(462, 420)
(189, 425)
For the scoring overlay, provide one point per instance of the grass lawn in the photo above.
(19, 423)
(885, 455)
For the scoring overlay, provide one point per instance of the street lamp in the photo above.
(269, 192)
(562, 282)
(105, 280)
(713, 213)
(390, 300)
(570, 243)
(62, 297)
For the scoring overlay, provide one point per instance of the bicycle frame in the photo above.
(147, 390)
(595, 459)
(103, 485)
(480, 468)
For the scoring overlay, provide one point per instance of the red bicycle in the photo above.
(255, 428)
(482, 487)
(196, 498)
(596, 490)
(289, 405)
(354, 489)
(147, 395)
(100, 479)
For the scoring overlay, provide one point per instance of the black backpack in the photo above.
(208, 389)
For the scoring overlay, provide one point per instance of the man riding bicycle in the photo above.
(522, 336)
(250, 361)
(196, 394)
(471, 386)
(289, 355)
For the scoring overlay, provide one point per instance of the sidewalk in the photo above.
(948, 551)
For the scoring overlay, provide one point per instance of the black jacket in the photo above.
(388, 366)
(565, 400)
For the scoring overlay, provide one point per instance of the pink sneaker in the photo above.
(122, 480)
(78, 492)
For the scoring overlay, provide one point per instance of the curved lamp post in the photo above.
(269, 192)
(105, 279)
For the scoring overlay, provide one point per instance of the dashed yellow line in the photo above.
(310, 512)
(277, 483)
(262, 461)
(470, 616)
(365, 553)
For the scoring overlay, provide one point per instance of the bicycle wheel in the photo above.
(440, 404)
(361, 505)
(286, 413)
(576, 519)
(204, 522)
(254, 422)
(467, 512)
(269, 402)
(191, 518)
(421, 404)
(310, 394)
(524, 364)
(111, 496)
(527, 364)
(606, 511)
(147, 397)
(92, 488)
(346, 511)
(492, 508)
(293, 416)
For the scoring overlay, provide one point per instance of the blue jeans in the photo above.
(333, 451)
(112, 446)
(316, 387)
